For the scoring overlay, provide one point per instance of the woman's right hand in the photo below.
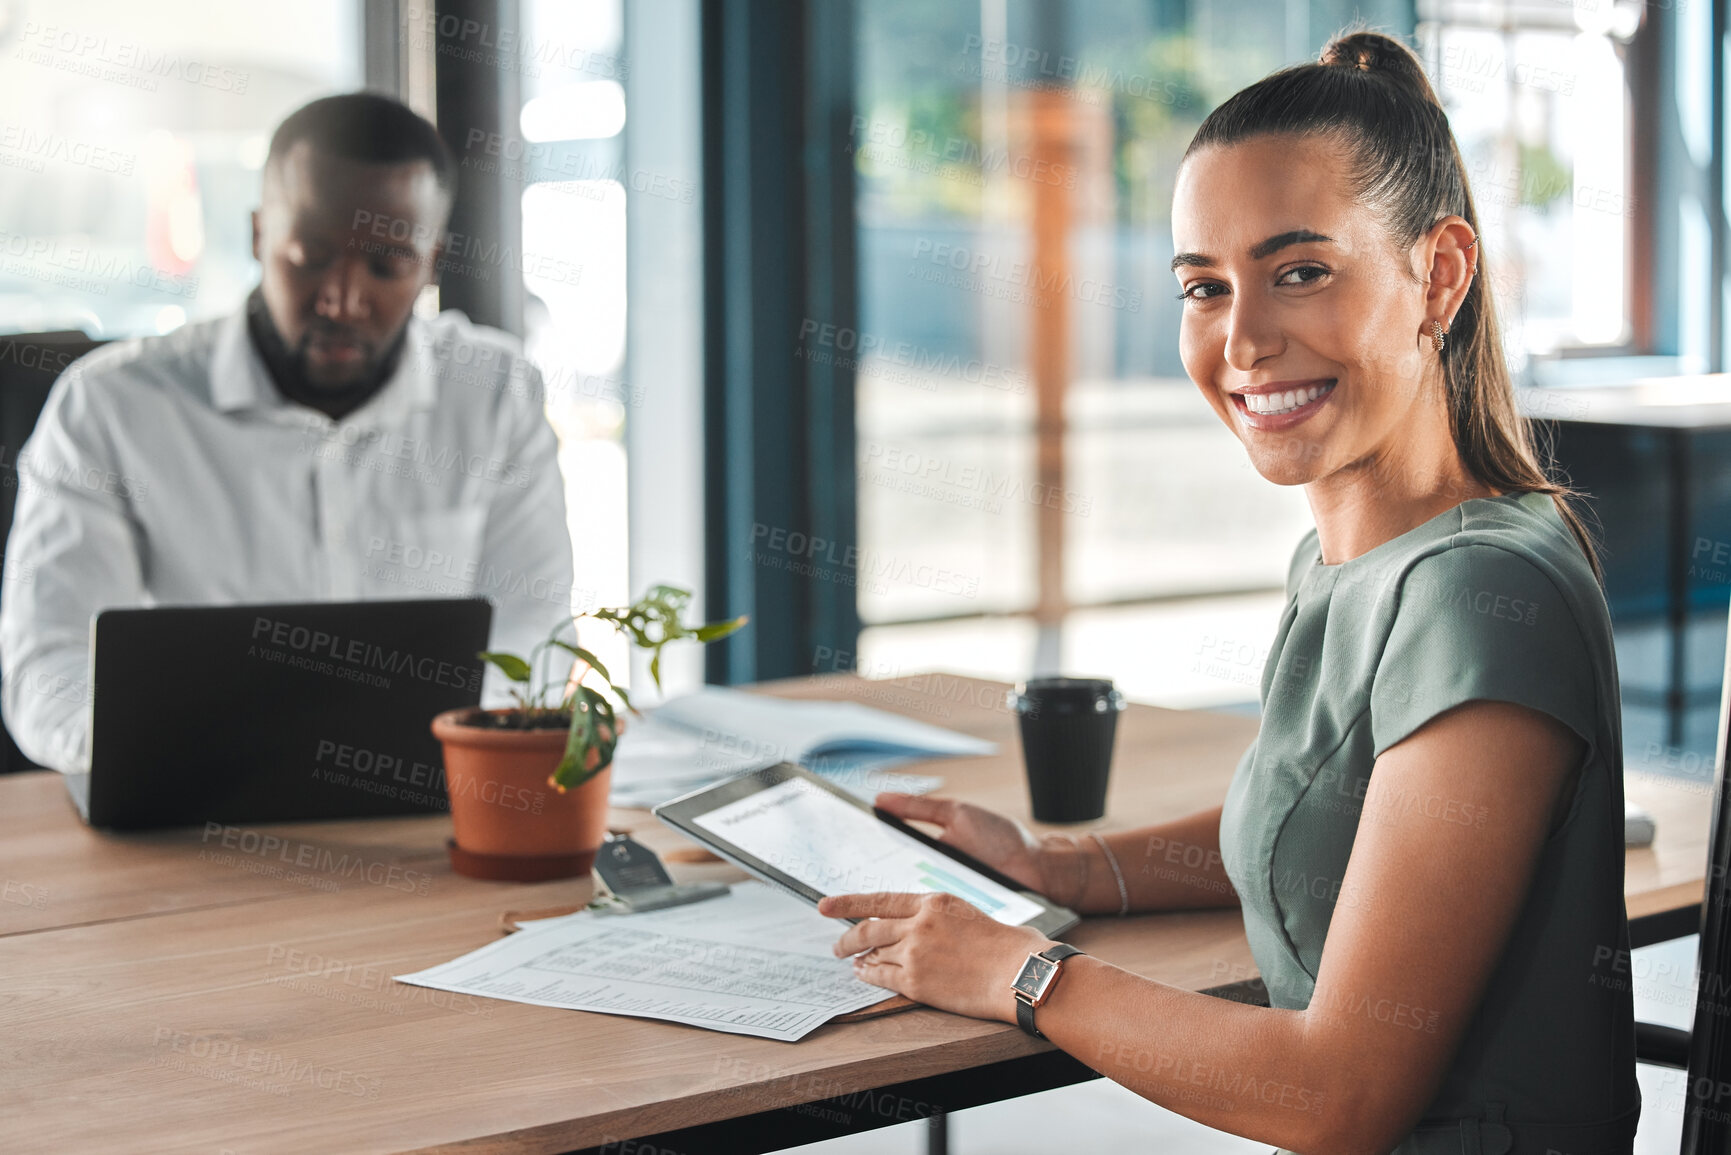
(1001, 843)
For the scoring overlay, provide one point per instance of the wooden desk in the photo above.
(1663, 884)
(229, 989)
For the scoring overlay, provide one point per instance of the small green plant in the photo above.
(651, 622)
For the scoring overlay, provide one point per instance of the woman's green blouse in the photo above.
(1491, 600)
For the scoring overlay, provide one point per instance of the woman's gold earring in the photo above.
(1437, 333)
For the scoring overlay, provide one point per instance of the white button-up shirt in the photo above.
(170, 471)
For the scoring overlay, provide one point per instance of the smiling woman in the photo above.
(1426, 837)
(1382, 282)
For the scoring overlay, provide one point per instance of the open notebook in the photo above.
(718, 732)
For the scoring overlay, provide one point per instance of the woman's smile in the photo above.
(1282, 405)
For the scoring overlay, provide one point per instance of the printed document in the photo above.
(753, 962)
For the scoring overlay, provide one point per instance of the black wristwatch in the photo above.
(1034, 983)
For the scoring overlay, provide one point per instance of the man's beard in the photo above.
(289, 368)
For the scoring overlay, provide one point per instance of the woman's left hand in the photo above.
(936, 949)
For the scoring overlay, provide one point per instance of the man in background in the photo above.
(323, 443)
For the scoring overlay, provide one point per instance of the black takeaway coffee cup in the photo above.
(1068, 725)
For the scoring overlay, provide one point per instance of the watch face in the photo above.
(1032, 979)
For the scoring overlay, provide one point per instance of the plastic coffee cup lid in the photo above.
(1066, 695)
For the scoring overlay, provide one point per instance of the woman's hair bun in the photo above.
(1374, 52)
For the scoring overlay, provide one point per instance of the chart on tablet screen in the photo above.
(837, 848)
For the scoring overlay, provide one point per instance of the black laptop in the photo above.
(275, 713)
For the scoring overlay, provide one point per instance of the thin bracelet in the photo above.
(1112, 860)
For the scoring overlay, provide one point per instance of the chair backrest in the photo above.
(29, 365)
(1707, 1110)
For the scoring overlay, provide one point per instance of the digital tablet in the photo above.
(793, 829)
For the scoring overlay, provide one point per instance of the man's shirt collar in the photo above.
(240, 380)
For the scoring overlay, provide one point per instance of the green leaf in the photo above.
(585, 656)
(570, 770)
(513, 667)
(585, 735)
(651, 622)
(566, 775)
(715, 631)
(597, 703)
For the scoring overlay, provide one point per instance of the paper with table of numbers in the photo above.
(753, 962)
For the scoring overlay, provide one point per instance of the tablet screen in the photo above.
(835, 847)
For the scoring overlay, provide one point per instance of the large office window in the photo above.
(133, 139)
(131, 143)
(568, 153)
(1537, 95)
(1040, 485)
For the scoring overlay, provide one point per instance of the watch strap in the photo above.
(1025, 1008)
(1060, 952)
(1025, 1018)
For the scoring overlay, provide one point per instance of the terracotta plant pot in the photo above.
(509, 823)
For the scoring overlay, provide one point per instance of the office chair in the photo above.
(29, 365)
(1704, 1052)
